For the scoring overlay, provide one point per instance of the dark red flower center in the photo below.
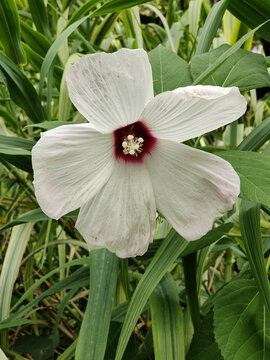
(133, 142)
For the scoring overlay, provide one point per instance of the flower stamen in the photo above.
(132, 145)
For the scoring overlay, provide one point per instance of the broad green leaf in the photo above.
(169, 251)
(10, 31)
(257, 137)
(211, 25)
(39, 347)
(96, 322)
(169, 70)
(254, 172)
(16, 247)
(252, 13)
(223, 57)
(40, 17)
(249, 218)
(241, 324)
(167, 320)
(243, 69)
(203, 342)
(21, 90)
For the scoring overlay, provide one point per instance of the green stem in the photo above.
(233, 134)
(228, 265)
(190, 270)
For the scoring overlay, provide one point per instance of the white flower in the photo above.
(129, 161)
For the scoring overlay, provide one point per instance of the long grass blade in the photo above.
(171, 248)
(95, 326)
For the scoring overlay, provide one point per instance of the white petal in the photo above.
(111, 90)
(71, 163)
(192, 111)
(122, 216)
(191, 187)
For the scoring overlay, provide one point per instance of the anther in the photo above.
(130, 137)
(124, 144)
(131, 152)
(140, 139)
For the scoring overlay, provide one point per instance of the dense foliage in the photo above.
(207, 299)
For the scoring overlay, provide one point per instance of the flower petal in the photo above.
(191, 187)
(122, 215)
(111, 90)
(191, 111)
(71, 163)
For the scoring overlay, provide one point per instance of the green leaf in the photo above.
(211, 26)
(77, 279)
(40, 17)
(48, 125)
(31, 216)
(243, 69)
(117, 5)
(10, 31)
(223, 57)
(257, 137)
(16, 142)
(254, 172)
(203, 342)
(169, 70)
(242, 326)
(252, 13)
(35, 40)
(85, 8)
(104, 28)
(249, 219)
(16, 247)
(212, 236)
(22, 92)
(52, 52)
(167, 320)
(39, 347)
(171, 248)
(96, 322)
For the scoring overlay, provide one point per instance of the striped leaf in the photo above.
(95, 326)
(167, 321)
(10, 31)
(171, 248)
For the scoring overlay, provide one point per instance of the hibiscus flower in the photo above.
(128, 160)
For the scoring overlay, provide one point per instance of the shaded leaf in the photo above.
(254, 172)
(241, 324)
(169, 70)
(243, 69)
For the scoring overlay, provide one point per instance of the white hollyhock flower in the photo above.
(128, 161)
